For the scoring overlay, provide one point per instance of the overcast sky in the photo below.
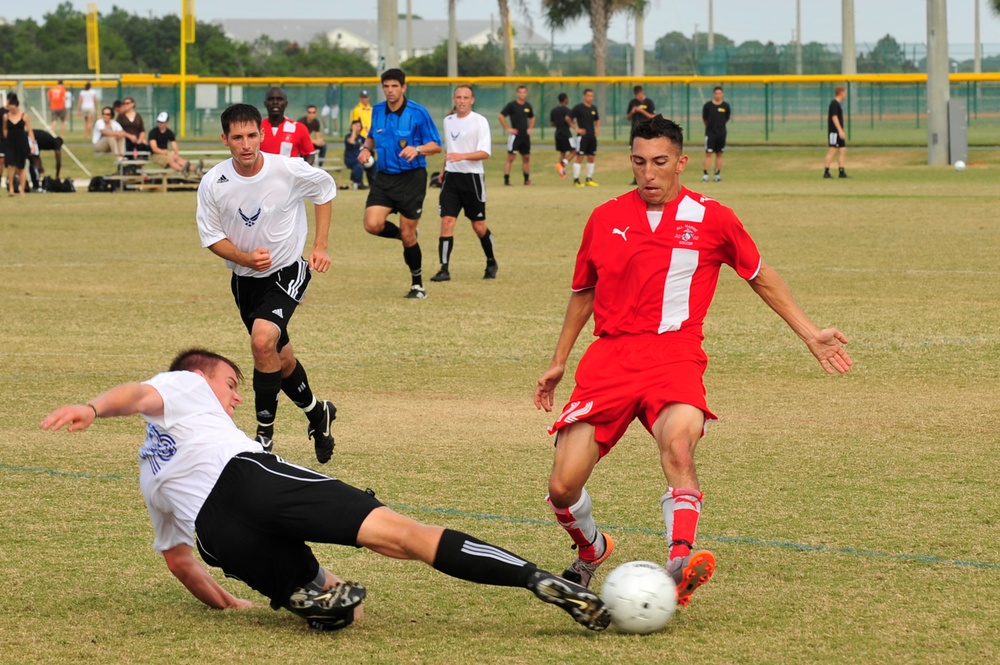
(741, 20)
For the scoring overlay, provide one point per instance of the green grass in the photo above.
(854, 518)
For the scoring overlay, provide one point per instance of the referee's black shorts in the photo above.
(273, 297)
(463, 191)
(256, 520)
(401, 192)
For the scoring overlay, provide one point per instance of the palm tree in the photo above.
(505, 31)
(559, 13)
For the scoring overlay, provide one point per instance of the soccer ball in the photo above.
(371, 162)
(960, 165)
(640, 596)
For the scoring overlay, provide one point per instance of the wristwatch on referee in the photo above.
(417, 148)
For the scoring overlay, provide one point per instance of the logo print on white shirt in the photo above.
(249, 221)
(621, 233)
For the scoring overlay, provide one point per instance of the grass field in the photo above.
(854, 518)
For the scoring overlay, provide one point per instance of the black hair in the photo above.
(397, 75)
(636, 90)
(239, 113)
(563, 97)
(202, 360)
(658, 127)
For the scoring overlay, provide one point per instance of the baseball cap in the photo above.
(163, 116)
(363, 93)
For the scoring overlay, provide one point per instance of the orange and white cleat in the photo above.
(690, 572)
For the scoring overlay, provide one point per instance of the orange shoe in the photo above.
(582, 572)
(561, 170)
(690, 572)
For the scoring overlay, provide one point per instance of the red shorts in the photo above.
(623, 378)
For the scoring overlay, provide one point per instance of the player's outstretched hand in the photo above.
(826, 346)
(75, 417)
(319, 260)
(546, 388)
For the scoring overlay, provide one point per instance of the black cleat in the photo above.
(332, 609)
(843, 174)
(266, 442)
(416, 292)
(826, 174)
(491, 270)
(584, 606)
(319, 431)
(442, 276)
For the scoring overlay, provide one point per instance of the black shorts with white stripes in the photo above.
(257, 519)
(272, 298)
(463, 191)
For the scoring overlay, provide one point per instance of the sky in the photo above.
(740, 20)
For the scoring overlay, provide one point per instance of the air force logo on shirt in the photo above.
(249, 221)
(157, 449)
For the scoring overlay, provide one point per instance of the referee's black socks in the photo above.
(414, 259)
(467, 558)
(487, 242)
(266, 387)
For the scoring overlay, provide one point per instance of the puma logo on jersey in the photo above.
(249, 221)
(621, 233)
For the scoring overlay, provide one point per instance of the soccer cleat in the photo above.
(577, 183)
(704, 177)
(690, 572)
(416, 292)
(582, 572)
(561, 170)
(826, 174)
(331, 609)
(717, 178)
(442, 276)
(319, 431)
(507, 184)
(843, 174)
(491, 270)
(528, 182)
(266, 442)
(592, 183)
(584, 606)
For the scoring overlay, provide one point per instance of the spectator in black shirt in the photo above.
(716, 113)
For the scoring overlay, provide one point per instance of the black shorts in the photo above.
(257, 519)
(588, 145)
(519, 143)
(835, 141)
(562, 143)
(401, 192)
(463, 190)
(715, 143)
(272, 298)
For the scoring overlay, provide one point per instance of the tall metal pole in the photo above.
(711, 26)
(848, 57)
(452, 41)
(977, 66)
(409, 29)
(798, 37)
(639, 62)
(388, 30)
(938, 86)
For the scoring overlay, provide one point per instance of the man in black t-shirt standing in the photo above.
(559, 117)
(716, 113)
(315, 128)
(641, 107)
(521, 121)
(588, 126)
(836, 136)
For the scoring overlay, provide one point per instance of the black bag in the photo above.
(99, 184)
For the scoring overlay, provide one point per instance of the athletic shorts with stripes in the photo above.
(257, 519)
(626, 377)
(463, 191)
(272, 298)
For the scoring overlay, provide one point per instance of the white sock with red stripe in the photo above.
(578, 520)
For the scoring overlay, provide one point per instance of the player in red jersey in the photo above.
(281, 135)
(647, 270)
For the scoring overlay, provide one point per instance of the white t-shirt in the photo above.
(465, 135)
(88, 100)
(101, 124)
(185, 451)
(266, 210)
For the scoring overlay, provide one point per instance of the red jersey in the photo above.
(290, 139)
(660, 279)
(57, 98)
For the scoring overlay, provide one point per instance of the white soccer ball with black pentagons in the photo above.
(640, 596)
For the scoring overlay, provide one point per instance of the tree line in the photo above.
(135, 44)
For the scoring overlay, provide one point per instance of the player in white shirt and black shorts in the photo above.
(207, 485)
(251, 213)
(463, 187)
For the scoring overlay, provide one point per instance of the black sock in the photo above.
(705, 171)
(390, 230)
(717, 171)
(414, 258)
(445, 245)
(527, 176)
(266, 387)
(487, 242)
(467, 558)
(506, 178)
(296, 386)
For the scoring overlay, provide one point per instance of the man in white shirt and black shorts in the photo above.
(252, 214)
(253, 512)
(467, 144)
